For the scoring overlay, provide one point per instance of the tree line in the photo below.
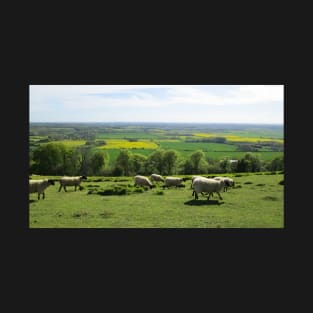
(57, 159)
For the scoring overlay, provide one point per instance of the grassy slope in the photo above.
(255, 205)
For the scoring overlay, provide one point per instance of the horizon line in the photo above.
(158, 122)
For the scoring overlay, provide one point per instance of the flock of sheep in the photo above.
(40, 185)
(200, 184)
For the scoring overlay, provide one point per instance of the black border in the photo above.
(250, 45)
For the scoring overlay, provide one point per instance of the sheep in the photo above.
(191, 187)
(156, 178)
(208, 185)
(71, 181)
(173, 181)
(229, 182)
(192, 179)
(39, 186)
(143, 181)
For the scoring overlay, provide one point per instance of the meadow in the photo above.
(256, 201)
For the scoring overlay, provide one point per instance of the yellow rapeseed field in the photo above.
(238, 138)
(125, 144)
(70, 143)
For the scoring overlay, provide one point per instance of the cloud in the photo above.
(213, 103)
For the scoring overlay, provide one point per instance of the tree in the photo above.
(169, 161)
(85, 161)
(138, 164)
(186, 167)
(277, 164)
(195, 159)
(49, 159)
(97, 162)
(225, 166)
(123, 162)
(154, 162)
(73, 158)
(249, 163)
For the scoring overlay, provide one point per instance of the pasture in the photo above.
(257, 201)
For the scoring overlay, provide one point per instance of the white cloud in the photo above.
(217, 103)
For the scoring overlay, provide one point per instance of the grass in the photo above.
(113, 153)
(255, 205)
(125, 134)
(193, 146)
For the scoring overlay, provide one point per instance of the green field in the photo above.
(149, 137)
(257, 201)
(125, 134)
(113, 153)
(215, 151)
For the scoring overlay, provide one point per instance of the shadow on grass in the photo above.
(31, 201)
(203, 202)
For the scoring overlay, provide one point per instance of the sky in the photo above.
(252, 104)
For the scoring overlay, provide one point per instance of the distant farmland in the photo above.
(145, 138)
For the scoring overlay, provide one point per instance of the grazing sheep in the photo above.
(192, 180)
(142, 181)
(71, 181)
(173, 182)
(39, 186)
(156, 178)
(229, 182)
(207, 185)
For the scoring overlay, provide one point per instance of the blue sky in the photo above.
(157, 103)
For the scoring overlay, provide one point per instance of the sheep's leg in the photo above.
(43, 195)
(64, 188)
(38, 195)
(75, 187)
(196, 195)
(60, 188)
(219, 195)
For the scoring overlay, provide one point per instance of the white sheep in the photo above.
(142, 181)
(173, 182)
(229, 182)
(193, 178)
(39, 186)
(191, 187)
(156, 178)
(207, 185)
(71, 181)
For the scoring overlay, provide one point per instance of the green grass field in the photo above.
(164, 138)
(257, 201)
